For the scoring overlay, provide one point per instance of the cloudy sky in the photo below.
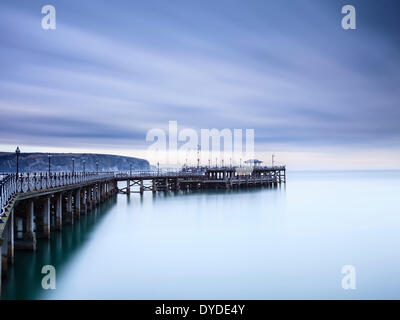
(316, 95)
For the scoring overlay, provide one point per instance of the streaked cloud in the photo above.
(112, 71)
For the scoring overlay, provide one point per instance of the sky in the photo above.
(316, 95)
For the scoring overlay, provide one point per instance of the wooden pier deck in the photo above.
(202, 178)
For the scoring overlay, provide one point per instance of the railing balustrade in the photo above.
(11, 184)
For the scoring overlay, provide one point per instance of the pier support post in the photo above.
(46, 218)
(115, 186)
(103, 192)
(141, 187)
(94, 196)
(58, 211)
(11, 237)
(69, 216)
(84, 201)
(29, 234)
(77, 203)
(128, 187)
(4, 253)
(89, 198)
(98, 193)
(108, 189)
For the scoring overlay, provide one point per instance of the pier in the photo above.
(202, 178)
(35, 204)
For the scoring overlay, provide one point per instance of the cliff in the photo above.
(35, 162)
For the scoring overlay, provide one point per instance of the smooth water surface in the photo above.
(284, 243)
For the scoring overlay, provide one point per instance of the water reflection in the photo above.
(24, 278)
(255, 243)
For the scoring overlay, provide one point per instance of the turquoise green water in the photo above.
(289, 242)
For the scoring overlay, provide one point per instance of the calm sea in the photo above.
(284, 243)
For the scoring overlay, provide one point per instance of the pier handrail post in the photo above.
(20, 182)
(29, 182)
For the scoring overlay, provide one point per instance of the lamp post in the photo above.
(84, 164)
(240, 162)
(158, 168)
(209, 163)
(97, 167)
(73, 165)
(49, 156)
(17, 152)
(130, 169)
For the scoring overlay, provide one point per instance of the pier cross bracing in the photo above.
(35, 204)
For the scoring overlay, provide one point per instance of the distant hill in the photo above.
(35, 162)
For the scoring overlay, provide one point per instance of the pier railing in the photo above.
(144, 174)
(12, 184)
(192, 171)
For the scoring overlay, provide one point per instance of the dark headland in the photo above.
(35, 162)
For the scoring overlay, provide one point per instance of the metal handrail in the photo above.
(13, 184)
